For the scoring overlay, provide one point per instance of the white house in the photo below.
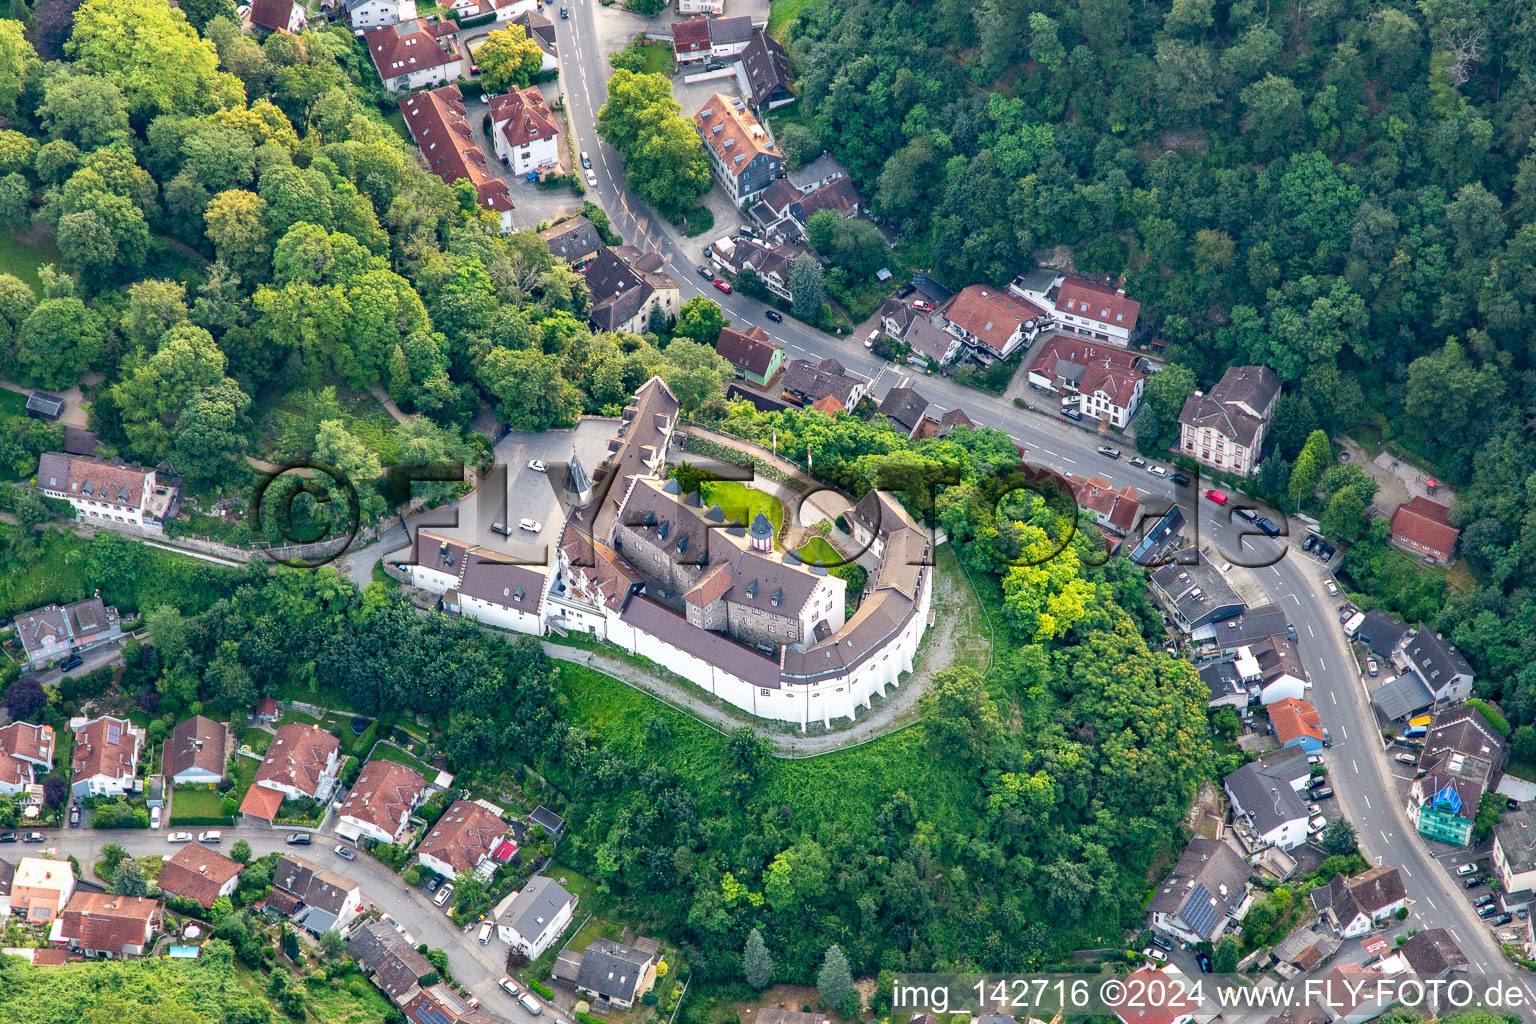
(535, 917)
(365, 14)
(992, 323)
(1272, 669)
(314, 898)
(1266, 807)
(302, 761)
(106, 756)
(1225, 428)
(1351, 907)
(466, 835)
(380, 803)
(1095, 309)
(504, 10)
(478, 583)
(414, 54)
(523, 131)
(275, 16)
(1205, 893)
(700, 6)
(1107, 382)
(24, 748)
(106, 491)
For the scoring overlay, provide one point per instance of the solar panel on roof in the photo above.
(114, 734)
(1199, 911)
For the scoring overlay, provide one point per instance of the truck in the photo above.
(1353, 625)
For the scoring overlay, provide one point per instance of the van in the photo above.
(485, 932)
(530, 1004)
(1354, 623)
(154, 817)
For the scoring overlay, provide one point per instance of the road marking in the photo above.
(1406, 871)
(749, 323)
(1298, 603)
(1344, 731)
(1368, 802)
(1323, 663)
(1458, 939)
(1431, 903)
(1309, 631)
(1334, 696)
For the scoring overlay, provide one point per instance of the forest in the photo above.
(1343, 191)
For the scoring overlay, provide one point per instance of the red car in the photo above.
(926, 307)
(1217, 496)
(722, 285)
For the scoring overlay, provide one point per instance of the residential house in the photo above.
(1296, 723)
(499, 10)
(41, 888)
(1226, 687)
(1272, 670)
(784, 209)
(1445, 671)
(265, 16)
(742, 154)
(1431, 955)
(301, 762)
(197, 752)
(903, 409)
(107, 926)
(546, 819)
(106, 756)
(1225, 427)
(7, 878)
(752, 355)
(478, 582)
(1267, 807)
(1205, 893)
(439, 1004)
(1423, 528)
(766, 67)
(542, 31)
(771, 264)
(1114, 511)
(615, 974)
(107, 491)
(1380, 633)
(575, 240)
(1353, 994)
(1353, 906)
(929, 343)
(415, 53)
(24, 748)
(1401, 696)
(536, 916)
(523, 131)
(1168, 997)
(380, 803)
(875, 518)
(462, 839)
(1460, 757)
(700, 6)
(1250, 627)
(439, 122)
(396, 966)
(627, 285)
(690, 40)
(828, 405)
(805, 381)
(197, 873)
(1094, 308)
(314, 898)
(1107, 382)
(729, 37)
(54, 632)
(993, 324)
(364, 14)
(1304, 950)
(1514, 850)
(943, 425)
(1194, 592)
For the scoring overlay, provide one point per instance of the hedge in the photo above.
(541, 988)
(202, 820)
(1495, 718)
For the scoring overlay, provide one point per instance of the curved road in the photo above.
(1359, 770)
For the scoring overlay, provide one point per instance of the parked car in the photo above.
(1153, 953)
(1204, 962)
(1162, 943)
(919, 304)
(509, 987)
(1485, 899)
(531, 525)
(1316, 825)
(905, 290)
(1322, 793)
(1246, 513)
(442, 895)
(874, 336)
(1267, 526)
(154, 817)
(1314, 759)
(774, 315)
(1157, 470)
(1325, 552)
(37, 837)
(530, 1004)
(1317, 783)
(1216, 497)
(714, 65)
(485, 932)
(71, 663)
(7, 837)
(1488, 910)
(1464, 869)
(531, 177)
(1181, 479)
(1371, 668)
(1309, 543)
(179, 837)
(1108, 452)
(721, 286)
(345, 852)
(1072, 414)
(434, 882)
(586, 161)
(1502, 920)
(704, 272)
(299, 839)
(210, 837)
(74, 817)
(1138, 461)
(591, 179)
(1406, 759)
(1314, 809)
(1473, 881)
(1333, 588)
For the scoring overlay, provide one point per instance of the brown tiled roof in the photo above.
(29, 742)
(599, 563)
(767, 67)
(1097, 301)
(1432, 952)
(990, 314)
(439, 123)
(718, 649)
(1090, 368)
(409, 46)
(828, 404)
(837, 195)
(711, 588)
(816, 380)
(271, 14)
(1228, 407)
(690, 35)
(105, 746)
(1293, 719)
(261, 802)
(905, 406)
(198, 742)
(941, 427)
(1377, 888)
(540, 29)
(522, 117)
(1100, 496)
(81, 477)
(395, 963)
(1424, 522)
(309, 884)
(197, 873)
(384, 794)
(644, 430)
(106, 922)
(751, 351)
(465, 833)
(298, 756)
(573, 240)
(739, 132)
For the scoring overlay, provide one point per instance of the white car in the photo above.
(154, 817)
(509, 987)
(537, 465)
(1333, 588)
(1316, 825)
(442, 895)
(210, 837)
(591, 180)
(179, 837)
(531, 525)
(1153, 953)
(1466, 869)
(1157, 471)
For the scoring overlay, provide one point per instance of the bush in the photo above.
(120, 814)
(541, 988)
(1495, 718)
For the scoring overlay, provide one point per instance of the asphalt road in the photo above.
(477, 967)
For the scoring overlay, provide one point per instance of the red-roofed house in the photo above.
(275, 16)
(523, 131)
(1424, 528)
(993, 323)
(382, 799)
(1296, 724)
(105, 757)
(1113, 510)
(106, 925)
(1171, 1004)
(465, 834)
(23, 749)
(302, 761)
(1094, 308)
(1106, 381)
(200, 874)
(261, 802)
(751, 354)
(690, 39)
(415, 54)
(439, 123)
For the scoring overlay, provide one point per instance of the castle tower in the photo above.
(760, 533)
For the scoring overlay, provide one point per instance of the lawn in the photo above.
(21, 255)
(390, 752)
(818, 549)
(12, 403)
(197, 803)
(292, 715)
(782, 12)
(743, 503)
(396, 120)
